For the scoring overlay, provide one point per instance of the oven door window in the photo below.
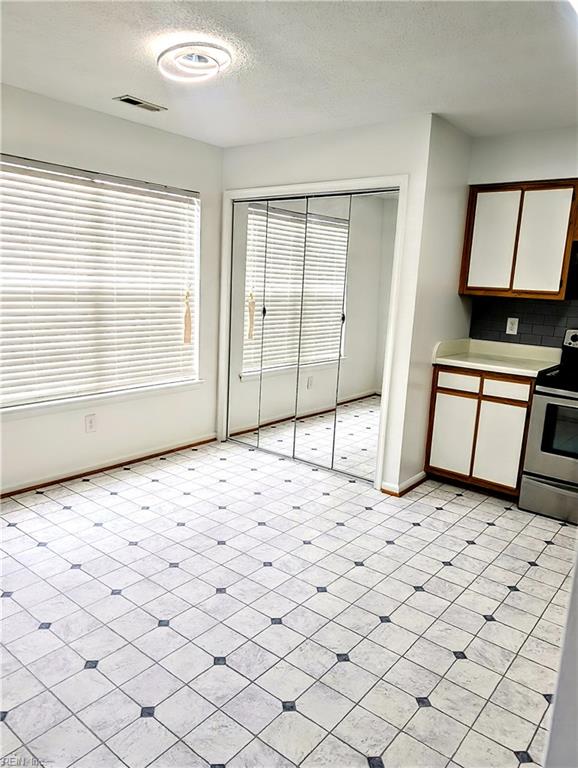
(560, 434)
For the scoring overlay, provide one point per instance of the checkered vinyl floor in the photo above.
(226, 607)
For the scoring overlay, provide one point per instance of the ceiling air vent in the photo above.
(134, 102)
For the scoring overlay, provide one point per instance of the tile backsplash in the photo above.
(541, 322)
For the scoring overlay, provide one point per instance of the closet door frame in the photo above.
(399, 183)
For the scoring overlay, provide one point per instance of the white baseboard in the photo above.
(114, 461)
(399, 489)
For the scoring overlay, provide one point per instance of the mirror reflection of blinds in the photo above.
(100, 283)
(293, 259)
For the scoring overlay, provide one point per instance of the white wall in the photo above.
(440, 313)
(48, 443)
(378, 150)
(384, 288)
(525, 156)
(364, 306)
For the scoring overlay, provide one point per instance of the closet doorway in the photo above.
(310, 290)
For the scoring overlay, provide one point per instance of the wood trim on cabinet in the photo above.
(469, 479)
(523, 186)
(517, 238)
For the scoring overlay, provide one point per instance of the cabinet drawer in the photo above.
(461, 381)
(509, 390)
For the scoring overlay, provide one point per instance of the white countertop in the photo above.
(495, 356)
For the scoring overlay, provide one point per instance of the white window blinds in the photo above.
(99, 284)
(295, 267)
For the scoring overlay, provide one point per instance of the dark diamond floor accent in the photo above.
(513, 589)
(173, 565)
(163, 622)
(147, 712)
(385, 619)
(549, 697)
(98, 525)
(3, 716)
(322, 589)
(419, 589)
(75, 566)
(388, 541)
(469, 541)
(116, 591)
(133, 543)
(6, 594)
(375, 762)
(460, 655)
(91, 664)
(44, 625)
(306, 541)
(289, 706)
(342, 656)
(446, 562)
(221, 590)
(219, 661)
(359, 563)
(524, 757)
(261, 524)
(423, 701)
(416, 525)
(276, 621)
(221, 543)
(533, 563)
(267, 564)
(180, 525)
(341, 525)
(492, 524)
(489, 617)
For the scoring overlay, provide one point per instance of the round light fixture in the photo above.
(193, 62)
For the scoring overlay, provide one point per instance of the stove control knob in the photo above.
(574, 338)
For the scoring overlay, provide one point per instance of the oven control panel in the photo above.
(571, 337)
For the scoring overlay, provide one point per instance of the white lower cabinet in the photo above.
(499, 443)
(453, 433)
(477, 427)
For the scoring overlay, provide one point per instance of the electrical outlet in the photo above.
(90, 422)
(310, 382)
(512, 326)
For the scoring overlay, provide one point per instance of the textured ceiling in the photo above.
(304, 67)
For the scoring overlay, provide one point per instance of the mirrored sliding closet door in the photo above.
(309, 300)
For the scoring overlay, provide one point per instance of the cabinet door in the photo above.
(453, 433)
(542, 240)
(493, 239)
(499, 443)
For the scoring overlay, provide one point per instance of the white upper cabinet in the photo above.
(542, 240)
(518, 239)
(493, 239)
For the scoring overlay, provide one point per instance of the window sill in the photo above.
(85, 402)
(268, 372)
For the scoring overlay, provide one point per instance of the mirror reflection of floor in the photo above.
(356, 436)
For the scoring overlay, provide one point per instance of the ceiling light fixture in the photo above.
(194, 62)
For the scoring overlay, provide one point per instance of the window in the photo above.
(295, 267)
(100, 283)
